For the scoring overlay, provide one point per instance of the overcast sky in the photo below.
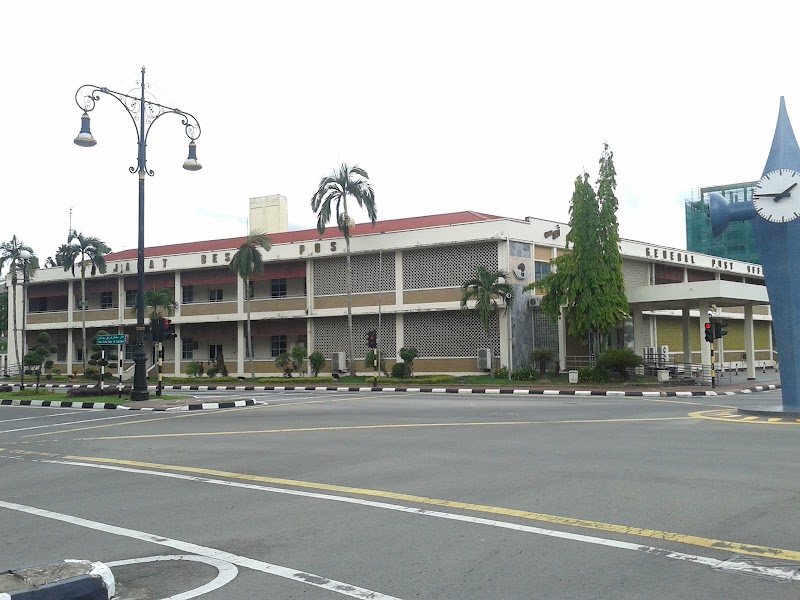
(487, 106)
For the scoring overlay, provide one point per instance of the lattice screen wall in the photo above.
(329, 274)
(545, 331)
(446, 266)
(635, 273)
(449, 333)
(330, 335)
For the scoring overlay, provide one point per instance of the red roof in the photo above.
(304, 235)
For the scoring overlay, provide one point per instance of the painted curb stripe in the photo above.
(110, 406)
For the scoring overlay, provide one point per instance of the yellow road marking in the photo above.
(732, 417)
(365, 427)
(692, 540)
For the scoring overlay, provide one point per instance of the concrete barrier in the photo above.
(66, 580)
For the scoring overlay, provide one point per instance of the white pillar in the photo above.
(749, 342)
(687, 337)
(241, 333)
(705, 347)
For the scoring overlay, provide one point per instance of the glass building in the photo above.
(737, 242)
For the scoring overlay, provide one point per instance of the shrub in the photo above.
(593, 375)
(48, 376)
(299, 355)
(194, 369)
(212, 371)
(408, 355)
(95, 391)
(619, 360)
(541, 356)
(316, 361)
(399, 370)
(92, 373)
(284, 362)
(221, 366)
(525, 375)
(501, 372)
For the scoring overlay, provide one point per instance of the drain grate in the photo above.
(763, 568)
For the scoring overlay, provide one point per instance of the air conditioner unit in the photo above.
(535, 302)
(339, 362)
(484, 359)
(664, 351)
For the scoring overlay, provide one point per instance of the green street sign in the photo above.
(116, 339)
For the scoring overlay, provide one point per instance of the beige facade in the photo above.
(406, 284)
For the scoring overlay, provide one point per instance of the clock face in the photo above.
(776, 197)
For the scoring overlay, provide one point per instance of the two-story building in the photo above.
(406, 282)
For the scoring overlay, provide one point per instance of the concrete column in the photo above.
(70, 352)
(705, 347)
(178, 343)
(398, 278)
(749, 342)
(399, 334)
(687, 337)
(241, 333)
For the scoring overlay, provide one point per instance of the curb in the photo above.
(414, 390)
(110, 406)
(67, 580)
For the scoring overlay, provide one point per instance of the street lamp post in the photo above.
(143, 112)
(26, 257)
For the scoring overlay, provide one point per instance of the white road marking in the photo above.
(773, 572)
(58, 414)
(125, 416)
(242, 561)
(227, 572)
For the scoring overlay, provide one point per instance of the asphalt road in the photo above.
(441, 496)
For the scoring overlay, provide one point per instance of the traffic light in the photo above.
(372, 339)
(718, 330)
(709, 333)
(156, 327)
(167, 330)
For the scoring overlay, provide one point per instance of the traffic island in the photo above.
(66, 580)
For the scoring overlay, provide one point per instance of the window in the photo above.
(251, 290)
(187, 348)
(540, 270)
(187, 297)
(79, 355)
(279, 345)
(130, 298)
(130, 350)
(278, 288)
(215, 295)
(214, 350)
(106, 300)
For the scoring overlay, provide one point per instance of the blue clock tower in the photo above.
(774, 215)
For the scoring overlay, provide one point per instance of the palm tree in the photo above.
(11, 254)
(335, 188)
(89, 253)
(245, 263)
(485, 289)
(158, 300)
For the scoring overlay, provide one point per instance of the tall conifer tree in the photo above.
(587, 280)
